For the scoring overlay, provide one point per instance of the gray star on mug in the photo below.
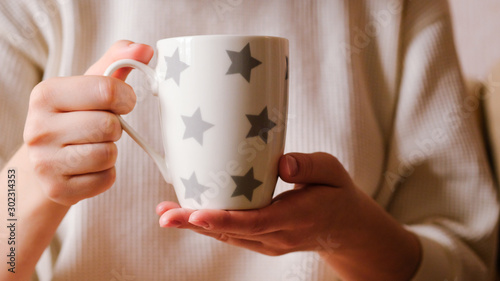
(193, 188)
(245, 185)
(195, 126)
(242, 62)
(261, 125)
(174, 67)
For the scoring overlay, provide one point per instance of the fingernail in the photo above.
(203, 224)
(160, 210)
(292, 166)
(132, 45)
(165, 222)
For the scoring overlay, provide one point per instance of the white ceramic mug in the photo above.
(223, 106)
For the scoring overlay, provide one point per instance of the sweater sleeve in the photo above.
(22, 58)
(30, 51)
(438, 182)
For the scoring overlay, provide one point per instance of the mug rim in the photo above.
(228, 36)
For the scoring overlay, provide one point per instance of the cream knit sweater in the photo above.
(375, 83)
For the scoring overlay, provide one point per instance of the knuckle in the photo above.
(111, 127)
(103, 153)
(224, 220)
(327, 155)
(222, 237)
(69, 190)
(116, 95)
(126, 103)
(57, 191)
(107, 90)
(98, 183)
(35, 129)
(320, 168)
(257, 228)
(333, 162)
(42, 163)
(258, 225)
(53, 184)
(72, 157)
(109, 178)
(62, 192)
(105, 127)
(41, 166)
(287, 243)
(29, 135)
(109, 153)
(306, 167)
(34, 132)
(41, 95)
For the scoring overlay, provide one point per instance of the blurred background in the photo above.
(477, 38)
(477, 35)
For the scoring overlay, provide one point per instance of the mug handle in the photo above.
(153, 81)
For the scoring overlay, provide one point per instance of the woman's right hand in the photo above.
(71, 127)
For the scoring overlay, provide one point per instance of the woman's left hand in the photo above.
(325, 212)
(297, 220)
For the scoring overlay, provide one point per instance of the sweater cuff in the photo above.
(437, 261)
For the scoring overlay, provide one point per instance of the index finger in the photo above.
(122, 49)
(80, 93)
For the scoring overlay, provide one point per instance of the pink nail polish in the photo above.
(203, 224)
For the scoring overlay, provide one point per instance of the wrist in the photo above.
(378, 248)
(37, 216)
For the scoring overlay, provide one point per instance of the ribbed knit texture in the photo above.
(373, 84)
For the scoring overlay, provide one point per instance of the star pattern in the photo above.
(174, 67)
(242, 62)
(245, 185)
(195, 126)
(193, 188)
(261, 125)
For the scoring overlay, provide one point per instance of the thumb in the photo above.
(122, 49)
(316, 168)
